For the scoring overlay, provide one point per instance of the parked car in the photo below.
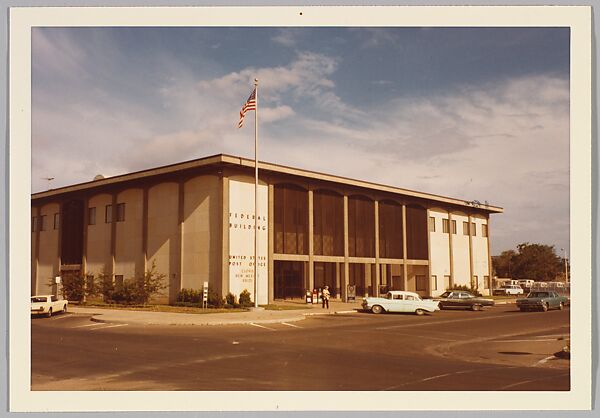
(526, 284)
(462, 299)
(400, 301)
(47, 305)
(542, 300)
(512, 289)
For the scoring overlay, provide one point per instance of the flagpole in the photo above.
(256, 195)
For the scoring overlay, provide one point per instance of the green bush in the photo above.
(244, 299)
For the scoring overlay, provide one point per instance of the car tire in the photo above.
(376, 309)
(561, 306)
(476, 307)
(49, 314)
(419, 312)
(545, 307)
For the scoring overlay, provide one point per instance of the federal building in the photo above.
(195, 221)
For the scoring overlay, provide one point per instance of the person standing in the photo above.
(325, 296)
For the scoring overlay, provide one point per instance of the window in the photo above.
(475, 283)
(108, 214)
(54, 299)
(56, 220)
(454, 227)
(446, 282)
(120, 212)
(465, 228)
(445, 226)
(484, 230)
(91, 216)
(486, 281)
(473, 229)
(42, 223)
(118, 281)
(433, 282)
(33, 223)
(431, 224)
(421, 282)
(410, 297)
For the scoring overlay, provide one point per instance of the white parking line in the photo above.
(412, 324)
(90, 325)
(260, 326)
(110, 326)
(542, 361)
(290, 325)
(61, 317)
(525, 341)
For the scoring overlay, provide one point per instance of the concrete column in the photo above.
(145, 227)
(429, 257)
(470, 252)
(450, 240)
(178, 280)
(311, 263)
(346, 275)
(224, 288)
(377, 269)
(113, 234)
(86, 221)
(36, 253)
(271, 250)
(337, 279)
(59, 246)
(404, 250)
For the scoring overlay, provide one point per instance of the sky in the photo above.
(471, 113)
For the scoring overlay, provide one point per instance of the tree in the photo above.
(531, 261)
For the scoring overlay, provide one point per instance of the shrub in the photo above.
(137, 290)
(214, 300)
(230, 298)
(73, 287)
(244, 299)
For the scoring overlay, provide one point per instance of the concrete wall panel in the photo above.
(98, 237)
(129, 258)
(49, 252)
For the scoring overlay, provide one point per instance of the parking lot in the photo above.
(499, 348)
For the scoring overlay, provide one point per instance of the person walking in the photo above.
(325, 296)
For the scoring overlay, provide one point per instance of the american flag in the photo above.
(249, 105)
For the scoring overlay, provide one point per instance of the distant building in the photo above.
(195, 221)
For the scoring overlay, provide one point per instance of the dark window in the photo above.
(484, 230)
(33, 223)
(445, 226)
(473, 229)
(431, 224)
(454, 227)
(433, 282)
(91, 216)
(56, 220)
(120, 212)
(291, 220)
(486, 282)
(421, 283)
(390, 230)
(416, 232)
(42, 222)
(361, 227)
(328, 223)
(108, 214)
(465, 228)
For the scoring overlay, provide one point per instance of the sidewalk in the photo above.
(256, 317)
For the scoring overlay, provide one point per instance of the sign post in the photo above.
(205, 296)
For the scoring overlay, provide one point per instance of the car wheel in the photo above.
(49, 314)
(65, 309)
(561, 306)
(419, 312)
(545, 307)
(522, 309)
(476, 307)
(376, 309)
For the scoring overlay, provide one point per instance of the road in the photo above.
(496, 349)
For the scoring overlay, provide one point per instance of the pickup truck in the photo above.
(542, 300)
(47, 305)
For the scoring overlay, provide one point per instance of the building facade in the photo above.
(195, 220)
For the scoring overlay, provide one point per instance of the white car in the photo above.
(400, 301)
(47, 305)
(511, 289)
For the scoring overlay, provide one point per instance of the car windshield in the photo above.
(445, 294)
(38, 299)
(538, 295)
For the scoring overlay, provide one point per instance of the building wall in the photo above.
(439, 251)
(163, 238)
(99, 260)
(460, 252)
(129, 258)
(34, 256)
(48, 267)
(480, 253)
(202, 233)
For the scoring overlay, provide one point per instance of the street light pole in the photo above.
(566, 268)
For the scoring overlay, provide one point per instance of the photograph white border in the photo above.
(22, 20)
